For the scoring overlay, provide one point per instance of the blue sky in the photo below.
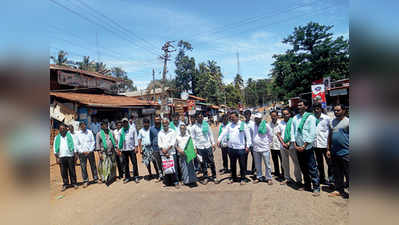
(216, 30)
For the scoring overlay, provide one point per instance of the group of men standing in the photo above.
(306, 138)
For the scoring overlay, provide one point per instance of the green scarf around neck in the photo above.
(317, 119)
(242, 126)
(122, 138)
(303, 120)
(58, 141)
(262, 127)
(205, 127)
(172, 125)
(104, 140)
(220, 129)
(287, 132)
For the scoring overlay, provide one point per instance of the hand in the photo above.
(119, 153)
(100, 156)
(285, 146)
(328, 153)
(213, 147)
(76, 158)
(57, 160)
(218, 144)
(301, 149)
(246, 149)
(86, 153)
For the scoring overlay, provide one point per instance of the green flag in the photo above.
(189, 151)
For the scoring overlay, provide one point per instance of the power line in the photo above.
(98, 24)
(249, 20)
(117, 24)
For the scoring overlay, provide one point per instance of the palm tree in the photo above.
(61, 58)
(86, 64)
(238, 81)
(100, 67)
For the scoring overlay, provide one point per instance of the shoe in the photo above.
(75, 186)
(95, 181)
(270, 182)
(222, 170)
(125, 181)
(256, 181)
(177, 185)
(284, 182)
(316, 193)
(242, 182)
(85, 185)
(231, 181)
(137, 180)
(204, 182)
(63, 188)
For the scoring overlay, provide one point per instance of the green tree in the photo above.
(232, 95)
(86, 64)
(61, 58)
(185, 68)
(100, 67)
(125, 83)
(209, 82)
(314, 54)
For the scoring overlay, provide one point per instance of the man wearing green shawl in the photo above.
(105, 144)
(224, 147)
(303, 136)
(64, 152)
(204, 142)
(288, 150)
(261, 142)
(128, 145)
(238, 143)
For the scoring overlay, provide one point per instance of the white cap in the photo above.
(125, 119)
(258, 115)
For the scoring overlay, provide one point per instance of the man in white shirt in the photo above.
(288, 150)
(166, 143)
(146, 149)
(85, 148)
(119, 156)
(128, 145)
(64, 152)
(320, 144)
(224, 147)
(204, 143)
(95, 126)
(175, 126)
(239, 142)
(261, 143)
(250, 125)
(275, 146)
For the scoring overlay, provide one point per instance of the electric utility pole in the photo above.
(166, 48)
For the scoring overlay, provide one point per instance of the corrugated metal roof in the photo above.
(196, 98)
(92, 74)
(98, 100)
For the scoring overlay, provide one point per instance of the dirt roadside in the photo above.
(149, 203)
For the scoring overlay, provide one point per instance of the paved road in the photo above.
(149, 203)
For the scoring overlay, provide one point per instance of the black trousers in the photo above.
(207, 161)
(237, 154)
(225, 158)
(341, 170)
(158, 163)
(321, 154)
(307, 162)
(133, 159)
(119, 165)
(177, 166)
(276, 155)
(253, 161)
(67, 168)
(83, 165)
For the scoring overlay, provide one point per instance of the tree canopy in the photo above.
(314, 54)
